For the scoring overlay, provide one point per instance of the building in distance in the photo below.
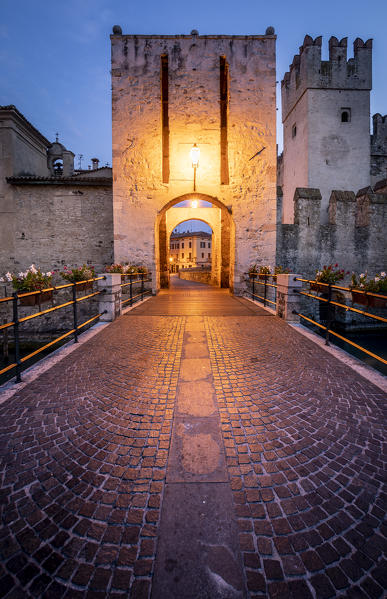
(190, 250)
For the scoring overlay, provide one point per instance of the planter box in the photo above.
(318, 287)
(84, 286)
(368, 300)
(36, 300)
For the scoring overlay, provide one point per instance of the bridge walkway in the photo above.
(197, 448)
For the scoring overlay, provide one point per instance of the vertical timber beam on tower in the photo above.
(165, 117)
(223, 81)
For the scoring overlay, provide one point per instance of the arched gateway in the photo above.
(194, 119)
(218, 217)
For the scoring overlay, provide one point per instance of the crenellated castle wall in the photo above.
(309, 71)
(354, 237)
(379, 148)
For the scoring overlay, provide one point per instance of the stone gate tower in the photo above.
(326, 117)
(169, 93)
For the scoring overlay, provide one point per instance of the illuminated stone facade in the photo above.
(190, 250)
(169, 92)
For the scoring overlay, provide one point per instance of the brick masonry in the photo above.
(85, 450)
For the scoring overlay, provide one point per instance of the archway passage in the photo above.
(193, 250)
(217, 216)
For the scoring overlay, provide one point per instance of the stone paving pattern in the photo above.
(304, 437)
(85, 452)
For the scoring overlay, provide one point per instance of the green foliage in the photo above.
(82, 273)
(376, 284)
(33, 279)
(330, 274)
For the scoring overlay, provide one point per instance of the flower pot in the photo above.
(368, 300)
(37, 299)
(84, 286)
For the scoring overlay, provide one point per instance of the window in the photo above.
(202, 244)
(177, 246)
(58, 167)
(209, 245)
(182, 255)
(190, 244)
(182, 244)
(294, 130)
(345, 115)
(190, 256)
(202, 254)
(209, 255)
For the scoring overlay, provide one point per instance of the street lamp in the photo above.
(195, 155)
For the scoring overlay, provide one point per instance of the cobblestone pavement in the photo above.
(89, 471)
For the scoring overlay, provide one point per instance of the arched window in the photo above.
(345, 115)
(58, 167)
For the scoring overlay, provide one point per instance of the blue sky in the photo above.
(55, 55)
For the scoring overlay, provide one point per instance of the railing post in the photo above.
(5, 344)
(329, 314)
(131, 289)
(142, 286)
(75, 313)
(288, 299)
(264, 290)
(109, 302)
(16, 336)
(253, 286)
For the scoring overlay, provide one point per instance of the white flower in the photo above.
(377, 279)
(21, 275)
(362, 275)
(8, 276)
(2, 280)
(382, 274)
(361, 285)
(48, 273)
(33, 269)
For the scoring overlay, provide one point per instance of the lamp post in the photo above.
(195, 155)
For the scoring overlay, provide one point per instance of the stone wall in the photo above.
(56, 225)
(354, 237)
(199, 276)
(139, 193)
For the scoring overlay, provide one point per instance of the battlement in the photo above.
(354, 236)
(309, 71)
(379, 134)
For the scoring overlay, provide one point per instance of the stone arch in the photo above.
(225, 234)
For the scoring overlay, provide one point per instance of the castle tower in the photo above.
(326, 117)
(171, 93)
